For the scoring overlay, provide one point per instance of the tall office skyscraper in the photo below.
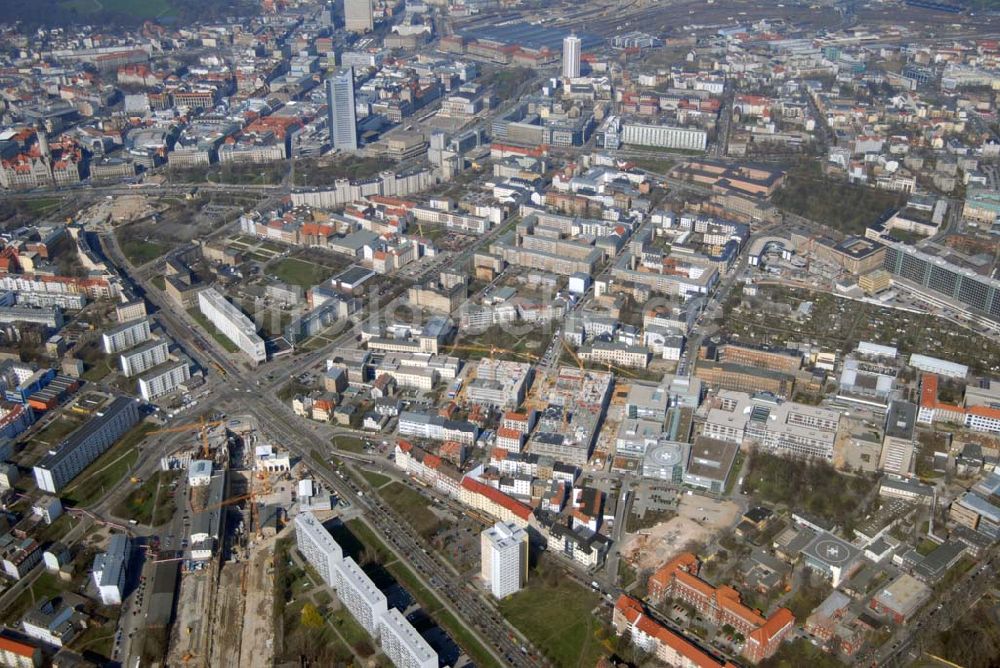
(340, 113)
(358, 15)
(504, 558)
(571, 56)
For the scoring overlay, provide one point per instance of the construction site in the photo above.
(214, 564)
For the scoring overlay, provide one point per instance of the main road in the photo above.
(459, 596)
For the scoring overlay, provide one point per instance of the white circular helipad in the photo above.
(664, 455)
(832, 551)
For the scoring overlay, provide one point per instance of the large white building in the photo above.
(360, 596)
(126, 335)
(110, 569)
(164, 379)
(783, 427)
(435, 427)
(233, 323)
(83, 446)
(571, 57)
(402, 644)
(144, 357)
(366, 603)
(318, 547)
(939, 366)
(664, 136)
(504, 558)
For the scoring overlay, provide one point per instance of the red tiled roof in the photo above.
(682, 562)
(451, 448)
(928, 390)
(15, 647)
(497, 497)
(507, 432)
(775, 624)
(629, 607)
(632, 610)
(515, 415)
(984, 411)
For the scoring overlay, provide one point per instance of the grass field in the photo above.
(61, 427)
(348, 443)
(41, 206)
(46, 586)
(140, 252)
(145, 506)
(147, 9)
(211, 329)
(109, 469)
(567, 638)
(99, 370)
(411, 505)
(375, 479)
(300, 272)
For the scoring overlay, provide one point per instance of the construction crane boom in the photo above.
(202, 425)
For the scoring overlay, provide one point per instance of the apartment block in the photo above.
(233, 323)
(163, 379)
(126, 335)
(133, 310)
(615, 353)
(402, 644)
(490, 500)
(64, 300)
(83, 446)
(440, 474)
(19, 555)
(504, 553)
(360, 596)
(434, 427)
(318, 546)
(19, 654)
(143, 357)
(50, 316)
(110, 569)
(367, 604)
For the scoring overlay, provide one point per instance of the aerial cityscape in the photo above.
(531, 333)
